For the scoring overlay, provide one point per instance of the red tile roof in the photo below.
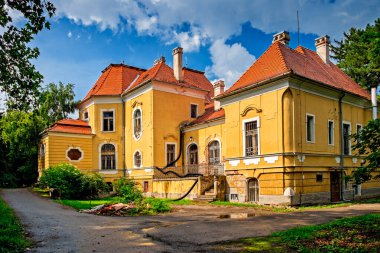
(280, 59)
(74, 126)
(209, 115)
(162, 72)
(114, 80)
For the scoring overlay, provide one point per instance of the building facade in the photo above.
(279, 135)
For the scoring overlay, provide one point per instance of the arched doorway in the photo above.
(193, 154)
(253, 190)
(213, 152)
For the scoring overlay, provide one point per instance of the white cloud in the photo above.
(196, 23)
(69, 35)
(229, 61)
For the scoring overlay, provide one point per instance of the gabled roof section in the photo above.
(209, 115)
(114, 80)
(162, 72)
(279, 59)
(73, 126)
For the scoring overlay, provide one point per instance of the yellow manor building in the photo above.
(279, 135)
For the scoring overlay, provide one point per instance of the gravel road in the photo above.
(56, 228)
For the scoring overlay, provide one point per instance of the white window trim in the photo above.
(188, 152)
(313, 132)
(166, 152)
(220, 149)
(75, 161)
(333, 132)
(100, 158)
(88, 116)
(349, 132)
(114, 120)
(197, 110)
(134, 161)
(257, 118)
(133, 123)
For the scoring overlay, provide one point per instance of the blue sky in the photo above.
(222, 38)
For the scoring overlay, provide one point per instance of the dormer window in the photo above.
(137, 123)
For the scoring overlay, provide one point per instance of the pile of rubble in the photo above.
(119, 209)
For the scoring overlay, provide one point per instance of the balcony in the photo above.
(193, 169)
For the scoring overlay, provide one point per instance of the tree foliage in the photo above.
(358, 54)
(19, 79)
(367, 143)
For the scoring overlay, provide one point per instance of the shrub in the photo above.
(71, 182)
(157, 205)
(127, 189)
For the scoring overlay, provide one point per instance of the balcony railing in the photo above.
(193, 169)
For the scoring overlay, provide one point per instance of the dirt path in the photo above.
(56, 228)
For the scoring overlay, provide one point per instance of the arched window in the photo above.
(253, 190)
(108, 157)
(193, 154)
(213, 152)
(137, 159)
(137, 124)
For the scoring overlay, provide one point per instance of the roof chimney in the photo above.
(159, 60)
(177, 63)
(218, 89)
(323, 48)
(282, 37)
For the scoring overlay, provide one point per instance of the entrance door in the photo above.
(335, 186)
(253, 190)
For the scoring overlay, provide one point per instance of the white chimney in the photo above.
(177, 63)
(323, 48)
(218, 89)
(282, 37)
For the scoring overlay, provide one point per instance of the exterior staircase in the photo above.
(207, 197)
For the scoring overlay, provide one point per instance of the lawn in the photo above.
(355, 234)
(12, 237)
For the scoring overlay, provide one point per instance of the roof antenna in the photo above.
(298, 27)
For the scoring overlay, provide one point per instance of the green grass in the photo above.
(88, 204)
(355, 234)
(12, 237)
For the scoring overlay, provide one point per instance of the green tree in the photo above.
(367, 143)
(358, 54)
(57, 102)
(18, 76)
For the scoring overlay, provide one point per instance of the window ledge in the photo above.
(108, 171)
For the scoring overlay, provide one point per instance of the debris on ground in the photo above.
(119, 209)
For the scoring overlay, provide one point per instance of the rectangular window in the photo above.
(146, 186)
(346, 139)
(170, 153)
(319, 178)
(194, 110)
(358, 129)
(331, 132)
(310, 128)
(108, 121)
(85, 116)
(234, 197)
(251, 138)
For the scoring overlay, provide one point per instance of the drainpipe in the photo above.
(341, 144)
(374, 102)
(123, 135)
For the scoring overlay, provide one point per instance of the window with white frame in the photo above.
(214, 152)
(194, 110)
(330, 132)
(137, 123)
(85, 115)
(310, 128)
(251, 134)
(137, 159)
(108, 157)
(193, 154)
(170, 153)
(346, 138)
(108, 121)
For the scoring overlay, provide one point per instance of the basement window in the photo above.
(234, 197)
(319, 178)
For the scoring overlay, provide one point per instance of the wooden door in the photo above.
(335, 186)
